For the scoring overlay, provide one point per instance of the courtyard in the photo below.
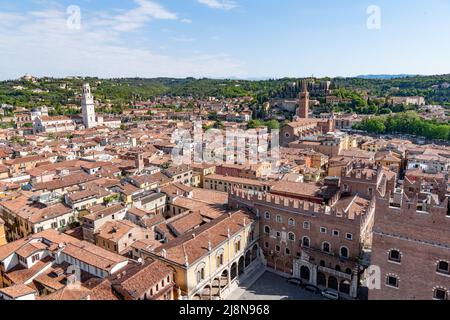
(271, 286)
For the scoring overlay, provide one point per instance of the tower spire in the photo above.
(88, 108)
(303, 108)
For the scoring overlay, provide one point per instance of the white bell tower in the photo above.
(87, 105)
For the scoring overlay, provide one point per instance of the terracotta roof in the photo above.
(17, 291)
(138, 212)
(30, 248)
(187, 222)
(103, 291)
(236, 180)
(69, 294)
(67, 181)
(140, 279)
(154, 221)
(115, 230)
(93, 255)
(352, 207)
(210, 196)
(211, 211)
(100, 211)
(193, 248)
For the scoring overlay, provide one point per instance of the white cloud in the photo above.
(40, 43)
(219, 4)
(183, 39)
(136, 18)
(188, 21)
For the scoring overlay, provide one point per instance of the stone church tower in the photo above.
(303, 108)
(87, 105)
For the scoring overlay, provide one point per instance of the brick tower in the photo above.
(303, 108)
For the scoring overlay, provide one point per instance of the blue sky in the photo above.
(223, 38)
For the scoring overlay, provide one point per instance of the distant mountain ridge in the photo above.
(386, 76)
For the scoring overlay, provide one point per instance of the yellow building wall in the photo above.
(2, 235)
(186, 278)
(229, 255)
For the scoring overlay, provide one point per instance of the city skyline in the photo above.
(222, 39)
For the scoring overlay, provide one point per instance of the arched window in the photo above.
(279, 219)
(277, 248)
(443, 267)
(287, 251)
(291, 236)
(237, 245)
(348, 271)
(337, 268)
(395, 256)
(267, 215)
(219, 259)
(306, 225)
(344, 252)
(322, 263)
(291, 222)
(267, 230)
(200, 274)
(326, 247)
(305, 242)
(440, 294)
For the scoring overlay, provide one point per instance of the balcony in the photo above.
(336, 273)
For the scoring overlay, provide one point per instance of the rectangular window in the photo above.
(392, 282)
(323, 230)
(335, 233)
(349, 236)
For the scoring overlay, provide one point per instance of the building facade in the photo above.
(88, 108)
(411, 247)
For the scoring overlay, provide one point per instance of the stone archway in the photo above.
(233, 271)
(206, 292)
(223, 279)
(248, 258)
(344, 287)
(333, 283)
(321, 279)
(255, 252)
(215, 288)
(241, 265)
(305, 273)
